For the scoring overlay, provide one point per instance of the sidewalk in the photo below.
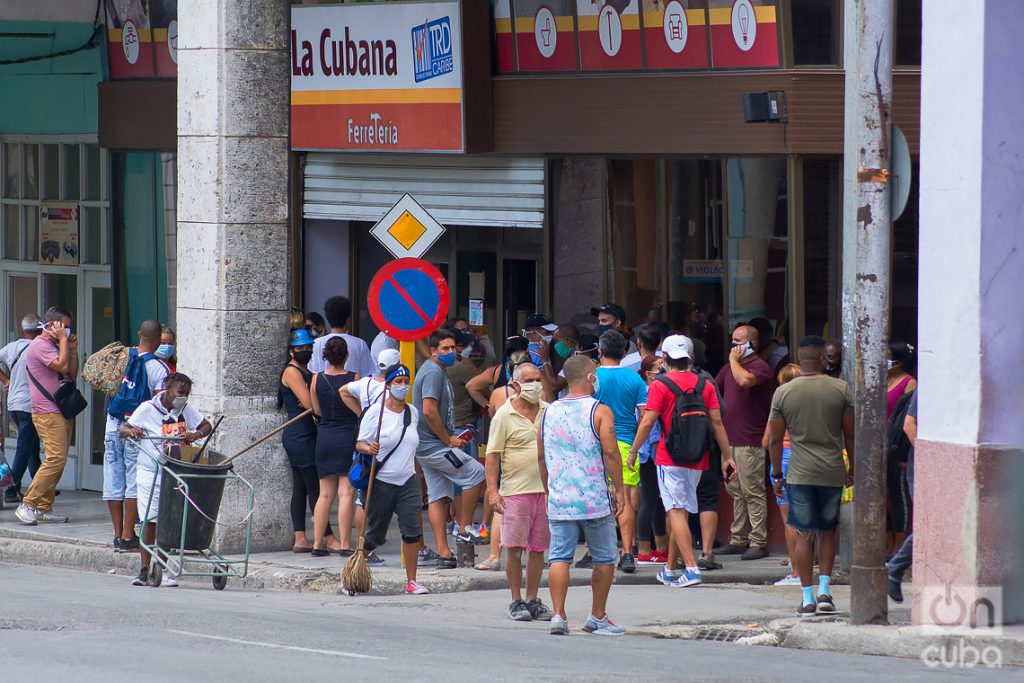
(85, 543)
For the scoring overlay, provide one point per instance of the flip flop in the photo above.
(488, 566)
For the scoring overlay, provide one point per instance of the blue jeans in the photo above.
(599, 533)
(26, 455)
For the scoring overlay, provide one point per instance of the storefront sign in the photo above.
(377, 76)
(142, 38)
(741, 270)
(407, 230)
(743, 33)
(609, 34)
(58, 234)
(675, 36)
(504, 47)
(545, 35)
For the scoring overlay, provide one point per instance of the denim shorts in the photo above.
(600, 535)
(814, 508)
(784, 498)
(119, 458)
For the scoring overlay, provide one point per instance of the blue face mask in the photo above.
(447, 359)
(597, 383)
(601, 329)
(165, 351)
(535, 354)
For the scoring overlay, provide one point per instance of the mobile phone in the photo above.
(730, 473)
(465, 435)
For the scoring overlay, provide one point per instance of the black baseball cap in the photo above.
(539, 320)
(614, 309)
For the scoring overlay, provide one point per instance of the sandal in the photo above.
(302, 549)
(489, 566)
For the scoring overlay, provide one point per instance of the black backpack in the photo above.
(689, 433)
(897, 444)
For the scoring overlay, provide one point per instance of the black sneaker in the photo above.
(142, 579)
(539, 611)
(585, 562)
(708, 562)
(895, 590)
(807, 610)
(447, 562)
(627, 563)
(519, 611)
(825, 603)
(117, 545)
(129, 544)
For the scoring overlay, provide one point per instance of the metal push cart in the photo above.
(189, 502)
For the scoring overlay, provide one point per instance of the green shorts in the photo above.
(630, 477)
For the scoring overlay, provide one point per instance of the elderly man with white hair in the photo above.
(19, 405)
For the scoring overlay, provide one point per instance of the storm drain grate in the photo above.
(719, 635)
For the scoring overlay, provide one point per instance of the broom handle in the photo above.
(373, 469)
(269, 434)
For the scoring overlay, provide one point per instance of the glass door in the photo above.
(97, 331)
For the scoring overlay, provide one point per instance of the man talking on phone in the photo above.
(678, 483)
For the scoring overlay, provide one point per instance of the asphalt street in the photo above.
(77, 626)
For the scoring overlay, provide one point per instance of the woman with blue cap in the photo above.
(388, 433)
(299, 439)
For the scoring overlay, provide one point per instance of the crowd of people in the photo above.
(621, 438)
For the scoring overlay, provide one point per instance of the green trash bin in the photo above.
(205, 489)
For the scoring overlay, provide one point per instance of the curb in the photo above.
(30, 548)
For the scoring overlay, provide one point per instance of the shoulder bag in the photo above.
(68, 398)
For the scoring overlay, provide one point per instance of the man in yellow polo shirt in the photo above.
(512, 455)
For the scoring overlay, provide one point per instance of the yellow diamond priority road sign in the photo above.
(407, 230)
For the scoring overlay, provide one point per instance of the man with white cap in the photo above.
(685, 420)
(362, 393)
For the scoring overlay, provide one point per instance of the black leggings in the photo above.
(899, 495)
(305, 490)
(650, 520)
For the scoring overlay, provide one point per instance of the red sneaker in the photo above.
(651, 558)
(661, 557)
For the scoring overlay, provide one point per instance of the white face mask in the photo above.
(400, 391)
(547, 338)
(179, 403)
(531, 391)
(889, 364)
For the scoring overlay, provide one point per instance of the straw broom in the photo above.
(355, 575)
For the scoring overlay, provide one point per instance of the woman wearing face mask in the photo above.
(483, 388)
(901, 364)
(316, 324)
(166, 351)
(299, 439)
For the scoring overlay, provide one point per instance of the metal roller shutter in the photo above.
(456, 190)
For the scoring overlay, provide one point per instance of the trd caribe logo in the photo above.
(432, 49)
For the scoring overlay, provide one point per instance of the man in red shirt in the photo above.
(747, 386)
(678, 484)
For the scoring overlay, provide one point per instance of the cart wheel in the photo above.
(220, 581)
(156, 575)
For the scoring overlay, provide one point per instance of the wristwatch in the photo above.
(778, 477)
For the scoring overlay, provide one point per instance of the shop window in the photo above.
(822, 219)
(816, 29)
(140, 230)
(50, 172)
(908, 33)
(636, 272)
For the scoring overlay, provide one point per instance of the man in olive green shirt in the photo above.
(817, 411)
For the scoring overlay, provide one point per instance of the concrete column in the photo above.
(968, 462)
(233, 124)
(579, 224)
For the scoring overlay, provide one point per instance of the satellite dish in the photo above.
(900, 173)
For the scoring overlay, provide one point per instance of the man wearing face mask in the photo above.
(833, 359)
(143, 378)
(747, 385)
(440, 453)
(168, 414)
(512, 450)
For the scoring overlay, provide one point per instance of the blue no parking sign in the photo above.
(408, 299)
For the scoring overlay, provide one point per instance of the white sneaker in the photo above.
(169, 581)
(51, 516)
(788, 580)
(27, 515)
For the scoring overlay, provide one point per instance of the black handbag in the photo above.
(69, 399)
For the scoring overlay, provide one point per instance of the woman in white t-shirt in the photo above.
(396, 489)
